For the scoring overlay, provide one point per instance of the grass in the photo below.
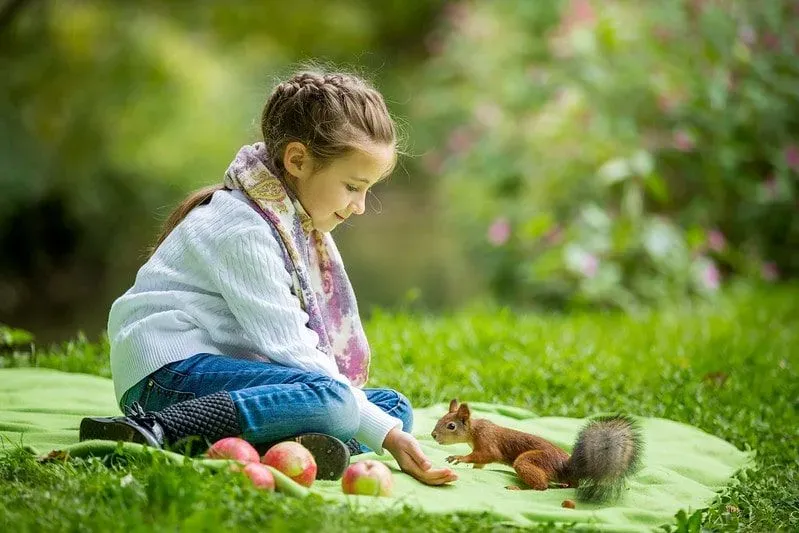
(728, 367)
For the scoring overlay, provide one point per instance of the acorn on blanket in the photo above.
(607, 451)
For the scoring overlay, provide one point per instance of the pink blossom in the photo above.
(590, 265)
(580, 12)
(460, 140)
(769, 271)
(554, 235)
(716, 240)
(771, 187)
(663, 34)
(499, 231)
(683, 141)
(771, 41)
(711, 277)
(433, 162)
(791, 154)
(668, 102)
(456, 13)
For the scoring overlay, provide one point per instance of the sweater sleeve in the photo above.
(253, 280)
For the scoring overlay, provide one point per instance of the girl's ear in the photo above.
(297, 160)
(463, 412)
(453, 405)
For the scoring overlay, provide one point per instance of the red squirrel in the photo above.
(607, 451)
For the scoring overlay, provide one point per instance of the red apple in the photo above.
(294, 460)
(233, 448)
(368, 477)
(260, 475)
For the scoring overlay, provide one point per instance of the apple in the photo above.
(233, 448)
(294, 460)
(260, 475)
(368, 477)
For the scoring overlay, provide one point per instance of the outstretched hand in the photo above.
(406, 450)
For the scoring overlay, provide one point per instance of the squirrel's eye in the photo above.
(451, 426)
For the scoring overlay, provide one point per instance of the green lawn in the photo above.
(728, 367)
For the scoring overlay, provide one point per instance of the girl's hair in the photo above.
(331, 114)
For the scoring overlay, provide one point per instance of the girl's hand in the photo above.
(406, 450)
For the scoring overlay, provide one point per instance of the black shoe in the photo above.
(137, 426)
(331, 455)
(354, 447)
(206, 419)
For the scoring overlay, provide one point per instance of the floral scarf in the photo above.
(318, 276)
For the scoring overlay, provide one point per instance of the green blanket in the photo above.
(683, 466)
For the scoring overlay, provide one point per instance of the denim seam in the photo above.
(323, 380)
(168, 390)
(171, 371)
(396, 407)
(236, 372)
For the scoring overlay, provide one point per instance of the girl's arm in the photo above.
(253, 280)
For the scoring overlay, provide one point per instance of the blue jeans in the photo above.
(274, 402)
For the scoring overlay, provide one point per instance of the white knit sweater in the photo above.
(218, 284)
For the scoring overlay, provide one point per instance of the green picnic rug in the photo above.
(684, 467)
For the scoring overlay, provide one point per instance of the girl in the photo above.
(243, 321)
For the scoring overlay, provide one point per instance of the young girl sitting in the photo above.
(243, 321)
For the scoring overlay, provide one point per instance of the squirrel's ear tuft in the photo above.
(463, 412)
(453, 405)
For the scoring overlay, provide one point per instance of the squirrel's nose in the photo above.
(433, 434)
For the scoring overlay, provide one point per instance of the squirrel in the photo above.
(608, 450)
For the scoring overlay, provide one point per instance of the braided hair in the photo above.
(331, 114)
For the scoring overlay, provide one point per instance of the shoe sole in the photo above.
(102, 429)
(331, 455)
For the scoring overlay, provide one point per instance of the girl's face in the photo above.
(337, 191)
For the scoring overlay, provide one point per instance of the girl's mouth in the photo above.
(339, 217)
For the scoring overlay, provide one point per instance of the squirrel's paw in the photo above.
(454, 459)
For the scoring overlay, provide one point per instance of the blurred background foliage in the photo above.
(618, 153)
(561, 152)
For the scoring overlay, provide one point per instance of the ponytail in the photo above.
(196, 198)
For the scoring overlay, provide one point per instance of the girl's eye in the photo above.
(352, 188)
(451, 426)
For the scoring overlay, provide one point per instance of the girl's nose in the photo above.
(359, 205)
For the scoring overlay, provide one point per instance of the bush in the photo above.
(618, 153)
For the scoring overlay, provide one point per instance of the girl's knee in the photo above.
(342, 414)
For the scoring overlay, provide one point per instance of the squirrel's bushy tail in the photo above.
(607, 451)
